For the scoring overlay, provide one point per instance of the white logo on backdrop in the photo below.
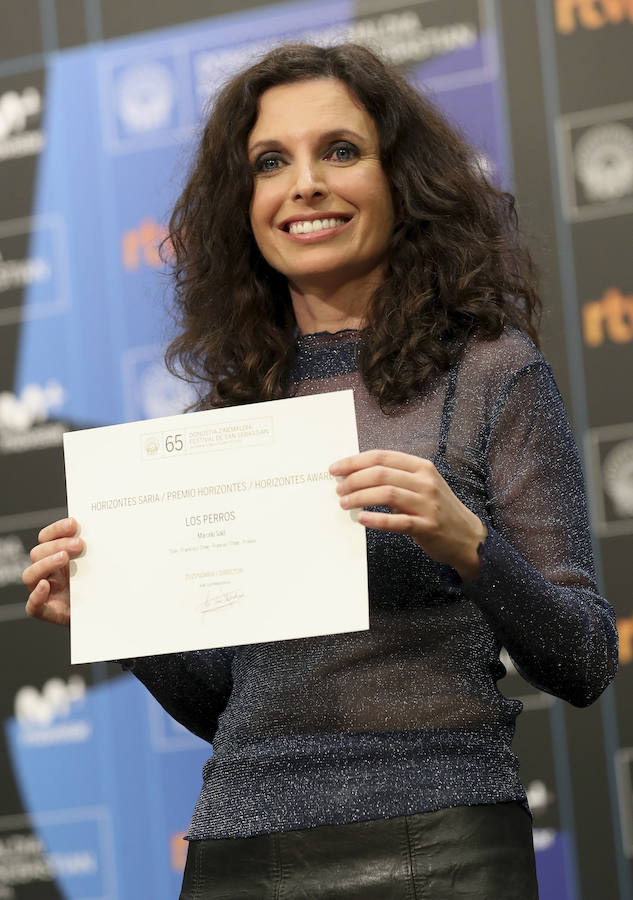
(16, 108)
(47, 717)
(13, 560)
(34, 404)
(145, 96)
(20, 273)
(604, 161)
(617, 476)
(401, 36)
(609, 453)
(78, 846)
(23, 418)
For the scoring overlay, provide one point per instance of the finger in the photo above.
(44, 568)
(387, 495)
(73, 547)
(378, 475)
(398, 523)
(393, 459)
(39, 606)
(37, 598)
(62, 528)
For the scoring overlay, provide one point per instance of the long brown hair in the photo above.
(455, 262)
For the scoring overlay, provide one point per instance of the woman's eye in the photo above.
(267, 163)
(343, 152)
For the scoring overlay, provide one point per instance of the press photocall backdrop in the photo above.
(100, 105)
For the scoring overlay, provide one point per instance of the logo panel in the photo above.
(33, 268)
(70, 847)
(144, 102)
(595, 150)
(21, 107)
(609, 453)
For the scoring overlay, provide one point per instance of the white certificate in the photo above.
(213, 529)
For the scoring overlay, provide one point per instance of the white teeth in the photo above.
(309, 226)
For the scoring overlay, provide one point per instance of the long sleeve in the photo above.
(192, 687)
(537, 583)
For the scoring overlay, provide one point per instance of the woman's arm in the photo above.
(529, 565)
(193, 687)
(536, 584)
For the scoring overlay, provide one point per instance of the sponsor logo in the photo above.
(23, 418)
(70, 852)
(23, 860)
(145, 96)
(145, 102)
(596, 160)
(399, 35)
(33, 268)
(17, 110)
(50, 716)
(178, 851)
(604, 161)
(625, 634)
(591, 14)
(609, 452)
(617, 473)
(140, 246)
(21, 273)
(609, 317)
(13, 560)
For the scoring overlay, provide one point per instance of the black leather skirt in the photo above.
(465, 853)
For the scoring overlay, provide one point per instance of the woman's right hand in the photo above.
(48, 577)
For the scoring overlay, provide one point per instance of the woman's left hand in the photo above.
(423, 505)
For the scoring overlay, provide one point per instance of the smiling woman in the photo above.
(336, 233)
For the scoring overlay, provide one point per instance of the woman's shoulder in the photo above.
(495, 361)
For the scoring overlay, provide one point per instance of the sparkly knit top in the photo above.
(407, 717)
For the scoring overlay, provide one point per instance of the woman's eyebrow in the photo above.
(274, 144)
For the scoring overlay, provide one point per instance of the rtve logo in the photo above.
(591, 14)
(609, 317)
(139, 246)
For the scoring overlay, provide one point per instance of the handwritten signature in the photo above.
(213, 601)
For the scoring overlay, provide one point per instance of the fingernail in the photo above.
(334, 468)
(59, 557)
(344, 502)
(73, 543)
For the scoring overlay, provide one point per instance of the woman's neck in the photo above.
(326, 309)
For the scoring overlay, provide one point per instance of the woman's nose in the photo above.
(309, 183)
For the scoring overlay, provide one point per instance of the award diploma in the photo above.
(213, 529)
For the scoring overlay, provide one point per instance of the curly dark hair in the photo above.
(455, 262)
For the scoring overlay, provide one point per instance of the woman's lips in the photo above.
(313, 236)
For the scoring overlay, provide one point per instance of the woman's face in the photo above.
(321, 210)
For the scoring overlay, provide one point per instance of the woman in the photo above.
(335, 232)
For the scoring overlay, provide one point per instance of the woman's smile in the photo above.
(319, 228)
